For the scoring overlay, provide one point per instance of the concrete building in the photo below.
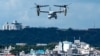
(6, 26)
(21, 44)
(12, 26)
(6, 51)
(62, 46)
(77, 48)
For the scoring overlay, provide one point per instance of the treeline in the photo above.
(48, 35)
(27, 48)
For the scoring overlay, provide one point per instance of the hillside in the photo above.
(47, 35)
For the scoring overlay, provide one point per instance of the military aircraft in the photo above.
(51, 14)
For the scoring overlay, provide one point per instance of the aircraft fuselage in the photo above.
(52, 14)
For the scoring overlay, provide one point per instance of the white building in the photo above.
(6, 51)
(6, 26)
(12, 26)
(77, 48)
(66, 45)
(21, 44)
(62, 46)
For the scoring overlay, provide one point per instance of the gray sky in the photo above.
(82, 14)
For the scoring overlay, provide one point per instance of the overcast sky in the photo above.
(82, 14)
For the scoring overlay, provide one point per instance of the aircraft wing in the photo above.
(59, 11)
(45, 11)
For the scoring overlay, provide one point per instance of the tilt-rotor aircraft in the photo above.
(51, 14)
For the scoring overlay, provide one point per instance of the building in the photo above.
(21, 44)
(77, 48)
(62, 46)
(41, 44)
(12, 26)
(6, 51)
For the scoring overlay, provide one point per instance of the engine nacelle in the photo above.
(38, 11)
(65, 11)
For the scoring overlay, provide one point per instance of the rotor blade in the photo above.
(43, 5)
(62, 5)
(37, 5)
(58, 5)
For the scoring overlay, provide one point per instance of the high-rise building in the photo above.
(12, 26)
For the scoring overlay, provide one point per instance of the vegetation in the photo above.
(27, 48)
(48, 35)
